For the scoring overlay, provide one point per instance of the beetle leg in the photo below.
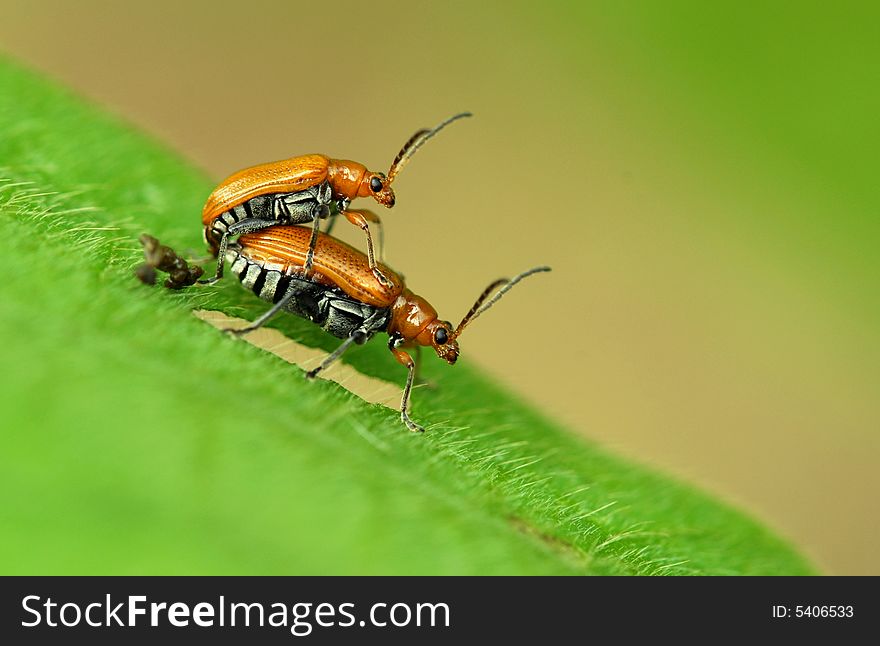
(313, 242)
(408, 362)
(221, 255)
(333, 356)
(359, 219)
(261, 320)
(248, 225)
(375, 219)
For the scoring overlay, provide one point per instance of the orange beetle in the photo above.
(341, 296)
(303, 189)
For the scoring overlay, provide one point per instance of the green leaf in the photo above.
(138, 439)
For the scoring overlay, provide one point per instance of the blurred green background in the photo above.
(702, 178)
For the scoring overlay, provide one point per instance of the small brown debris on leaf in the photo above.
(158, 256)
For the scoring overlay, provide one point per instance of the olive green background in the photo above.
(703, 180)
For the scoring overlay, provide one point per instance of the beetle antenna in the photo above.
(479, 307)
(417, 141)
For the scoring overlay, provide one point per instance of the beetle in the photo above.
(300, 190)
(341, 297)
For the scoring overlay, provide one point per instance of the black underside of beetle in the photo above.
(333, 310)
(299, 207)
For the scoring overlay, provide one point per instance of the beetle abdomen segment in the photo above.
(259, 208)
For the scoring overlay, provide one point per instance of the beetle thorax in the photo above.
(410, 315)
(345, 177)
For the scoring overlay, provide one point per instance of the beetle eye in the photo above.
(375, 185)
(440, 336)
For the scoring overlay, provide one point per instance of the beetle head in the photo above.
(416, 321)
(379, 188)
(438, 334)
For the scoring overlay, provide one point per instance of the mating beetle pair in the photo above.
(310, 274)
